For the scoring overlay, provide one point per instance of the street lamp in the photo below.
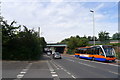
(93, 27)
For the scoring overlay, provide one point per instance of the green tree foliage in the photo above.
(74, 42)
(116, 36)
(104, 37)
(91, 38)
(20, 45)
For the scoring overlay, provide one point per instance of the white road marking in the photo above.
(114, 72)
(54, 65)
(53, 72)
(20, 76)
(29, 66)
(61, 68)
(22, 72)
(25, 70)
(100, 63)
(73, 76)
(50, 67)
(106, 63)
(70, 60)
(82, 63)
(54, 75)
(94, 62)
(117, 60)
(86, 64)
(65, 70)
(68, 73)
(16, 79)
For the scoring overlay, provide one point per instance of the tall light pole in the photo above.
(38, 31)
(93, 27)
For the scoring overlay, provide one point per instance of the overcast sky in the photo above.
(60, 20)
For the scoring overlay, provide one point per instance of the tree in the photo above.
(89, 38)
(20, 45)
(116, 36)
(74, 42)
(77, 36)
(104, 36)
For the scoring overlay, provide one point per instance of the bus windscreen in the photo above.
(109, 51)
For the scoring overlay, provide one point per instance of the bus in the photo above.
(97, 52)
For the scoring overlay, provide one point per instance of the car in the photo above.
(57, 55)
(48, 53)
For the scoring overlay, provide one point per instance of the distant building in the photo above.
(114, 41)
(96, 42)
(99, 42)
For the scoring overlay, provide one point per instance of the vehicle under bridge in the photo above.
(57, 47)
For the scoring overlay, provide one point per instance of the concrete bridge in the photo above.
(57, 47)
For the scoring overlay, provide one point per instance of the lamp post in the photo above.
(38, 31)
(93, 27)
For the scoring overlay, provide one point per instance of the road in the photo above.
(67, 68)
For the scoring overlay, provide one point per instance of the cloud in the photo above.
(58, 20)
(99, 6)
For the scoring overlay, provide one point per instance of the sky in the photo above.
(59, 20)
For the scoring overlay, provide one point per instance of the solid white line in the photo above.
(54, 65)
(57, 64)
(107, 64)
(50, 67)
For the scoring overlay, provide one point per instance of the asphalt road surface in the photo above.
(67, 68)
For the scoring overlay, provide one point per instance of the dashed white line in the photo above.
(22, 72)
(20, 76)
(61, 68)
(86, 64)
(114, 72)
(53, 72)
(68, 73)
(82, 63)
(66, 70)
(54, 75)
(73, 76)
(25, 70)
(71, 60)
(94, 62)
